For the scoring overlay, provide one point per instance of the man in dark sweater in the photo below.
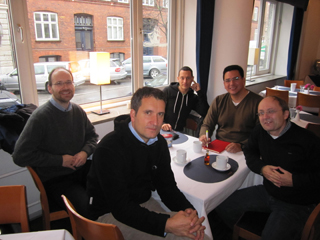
(181, 99)
(56, 142)
(131, 162)
(287, 156)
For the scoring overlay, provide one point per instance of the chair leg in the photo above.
(235, 235)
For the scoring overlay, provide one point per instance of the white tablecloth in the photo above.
(42, 235)
(206, 196)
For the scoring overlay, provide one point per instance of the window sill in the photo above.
(115, 109)
(259, 83)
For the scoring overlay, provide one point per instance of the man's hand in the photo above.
(233, 148)
(68, 161)
(196, 222)
(204, 140)
(166, 127)
(277, 175)
(80, 159)
(195, 86)
(182, 224)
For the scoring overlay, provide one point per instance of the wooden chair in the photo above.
(315, 128)
(278, 93)
(47, 216)
(287, 83)
(316, 89)
(251, 224)
(88, 229)
(13, 206)
(311, 230)
(308, 100)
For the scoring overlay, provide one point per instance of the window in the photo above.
(262, 37)
(46, 26)
(148, 2)
(165, 3)
(49, 58)
(123, 1)
(117, 40)
(115, 28)
(83, 25)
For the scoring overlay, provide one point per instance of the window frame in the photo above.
(42, 23)
(259, 33)
(148, 3)
(27, 81)
(110, 36)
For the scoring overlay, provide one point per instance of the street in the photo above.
(87, 92)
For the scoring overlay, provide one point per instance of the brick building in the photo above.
(65, 30)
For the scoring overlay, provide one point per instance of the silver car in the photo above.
(42, 70)
(152, 65)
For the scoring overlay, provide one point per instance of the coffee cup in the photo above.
(293, 87)
(221, 162)
(181, 156)
(197, 146)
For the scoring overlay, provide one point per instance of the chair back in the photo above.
(13, 206)
(316, 89)
(47, 216)
(287, 83)
(278, 93)
(88, 229)
(311, 230)
(308, 100)
(315, 128)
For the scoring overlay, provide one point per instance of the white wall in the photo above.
(189, 46)
(231, 35)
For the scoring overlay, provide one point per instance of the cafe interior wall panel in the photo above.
(231, 46)
(11, 174)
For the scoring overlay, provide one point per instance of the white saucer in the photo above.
(221, 170)
(179, 163)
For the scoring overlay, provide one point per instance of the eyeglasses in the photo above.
(231, 79)
(271, 111)
(60, 84)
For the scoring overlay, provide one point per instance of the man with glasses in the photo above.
(233, 112)
(287, 156)
(56, 141)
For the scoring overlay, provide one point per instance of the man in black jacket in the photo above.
(287, 156)
(181, 99)
(131, 162)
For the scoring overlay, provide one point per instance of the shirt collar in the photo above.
(286, 128)
(150, 141)
(57, 105)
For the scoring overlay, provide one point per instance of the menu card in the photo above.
(217, 146)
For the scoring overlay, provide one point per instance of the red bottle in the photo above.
(207, 159)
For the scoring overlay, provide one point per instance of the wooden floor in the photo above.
(36, 225)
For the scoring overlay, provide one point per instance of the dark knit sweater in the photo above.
(51, 133)
(235, 123)
(179, 106)
(123, 173)
(296, 151)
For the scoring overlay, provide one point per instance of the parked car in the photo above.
(42, 70)
(158, 81)
(117, 71)
(152, 65)
(7, 99)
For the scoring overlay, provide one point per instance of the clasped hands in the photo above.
(77, 160)
(186, 224)
(277, 175)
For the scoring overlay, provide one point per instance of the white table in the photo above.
(207, 196)
(42, 235)
(293, 98)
